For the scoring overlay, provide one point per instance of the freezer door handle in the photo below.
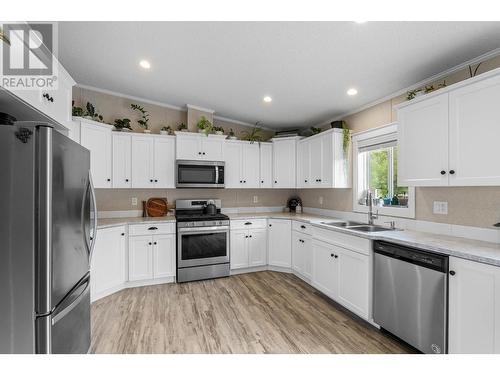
(94, 229)
(63, 309)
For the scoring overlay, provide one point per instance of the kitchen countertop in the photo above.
(114, 222)
(480, 251)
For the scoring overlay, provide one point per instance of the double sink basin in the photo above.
(356, 226)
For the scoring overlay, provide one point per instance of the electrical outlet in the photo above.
(440, 208)
(255, 199)
(320, 200)
(134, 201)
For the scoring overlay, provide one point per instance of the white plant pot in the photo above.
(147, 131)
(163, 132)
(201, 131)
(219, 133)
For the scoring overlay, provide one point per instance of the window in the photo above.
(376, 158)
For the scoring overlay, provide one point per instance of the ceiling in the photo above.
(306, 67)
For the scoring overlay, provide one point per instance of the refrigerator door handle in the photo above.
(94, 229)
(81, 287)
(85, 234)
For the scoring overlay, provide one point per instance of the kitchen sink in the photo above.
(342, 224)
(357, 226)
(369, 228)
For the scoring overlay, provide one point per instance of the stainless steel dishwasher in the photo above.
(410, 294)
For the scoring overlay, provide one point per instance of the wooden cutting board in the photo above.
(156, 207)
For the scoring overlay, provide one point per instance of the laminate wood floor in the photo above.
(262, 312)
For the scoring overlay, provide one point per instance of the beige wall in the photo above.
(113, 107)
(121, 199)
(474, 206)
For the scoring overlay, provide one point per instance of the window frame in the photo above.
(386, 133)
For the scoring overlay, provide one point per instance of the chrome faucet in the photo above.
(371, 215)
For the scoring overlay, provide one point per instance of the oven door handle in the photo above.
(204, 229)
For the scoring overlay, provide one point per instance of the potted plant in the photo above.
(315, 130)
(231, 134)
(218, 130)
(346, 139)
(204, 126)
(166, 130)
(182, 127)
(4, 37)
(253, 135)
(91, 113)
(144, 120)
(122, 124)
(76, 111)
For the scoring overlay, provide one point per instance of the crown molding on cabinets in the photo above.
(435, 77)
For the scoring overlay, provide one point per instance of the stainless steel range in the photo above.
(202, 240)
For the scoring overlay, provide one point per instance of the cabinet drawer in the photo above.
(144, 229)
(248, 224)
(350, 242)
(302, 227)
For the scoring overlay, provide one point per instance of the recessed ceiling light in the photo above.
(352, 92)
(145, 64)
(267, 99)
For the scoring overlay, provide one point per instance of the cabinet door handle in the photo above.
(452, 172)
(443, 172)
(261, 181)
(270, 225)
(332, 255)
(452, 273)
(156, 180)
(199, 153)
(152, 228)
(126, 180)
(203, 153)
(246, 236)
(150, 244)
(154, 243)
(250, 236)
(336, 256)
(275, 181)
(151, 180)
(109, 179)
(123, 234)
(303, 226)
(241, 181)
(248, 223)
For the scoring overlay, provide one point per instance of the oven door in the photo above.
(202, 246)
(199, 174)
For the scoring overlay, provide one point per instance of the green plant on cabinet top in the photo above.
(204, 125)
(144, 120)
(123, 123)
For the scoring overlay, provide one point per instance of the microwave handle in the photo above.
(216, 174)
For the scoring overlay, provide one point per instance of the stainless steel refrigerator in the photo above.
(46, 230)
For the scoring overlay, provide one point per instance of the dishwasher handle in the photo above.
(437, 262)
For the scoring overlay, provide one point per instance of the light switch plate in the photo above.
(440, 208)
(134, 201)
(255, 199)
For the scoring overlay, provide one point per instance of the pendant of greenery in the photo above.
(204, 125)
(144, 120)
(346, 139)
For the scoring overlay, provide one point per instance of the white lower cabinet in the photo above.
(474, 307)
(151, 257)
(302, 254)
(248, 248)
(280, 243)
(344, 275)
(107, 268)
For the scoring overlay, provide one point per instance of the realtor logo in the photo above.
(27, 56)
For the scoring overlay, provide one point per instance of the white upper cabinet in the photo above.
(303, 164)
(196, 146)
(153, 161)
(266, 165)
(475, 133)
(142, 161)
(322, 161)
(451, 137)
(280, 243)
(96, 138)
(474, 307)
(284, 162)
(164, 162)
(251, 165)
(122, 160)
(423, 143)
(242, 169)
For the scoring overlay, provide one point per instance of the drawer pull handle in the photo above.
(303, 226)
(248, 223)
(152, 228)
(452, 273)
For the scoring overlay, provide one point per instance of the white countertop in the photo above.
(480, 251)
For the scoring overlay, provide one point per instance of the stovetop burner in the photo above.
(199, 216)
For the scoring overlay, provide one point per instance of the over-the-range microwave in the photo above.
(199, 174)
